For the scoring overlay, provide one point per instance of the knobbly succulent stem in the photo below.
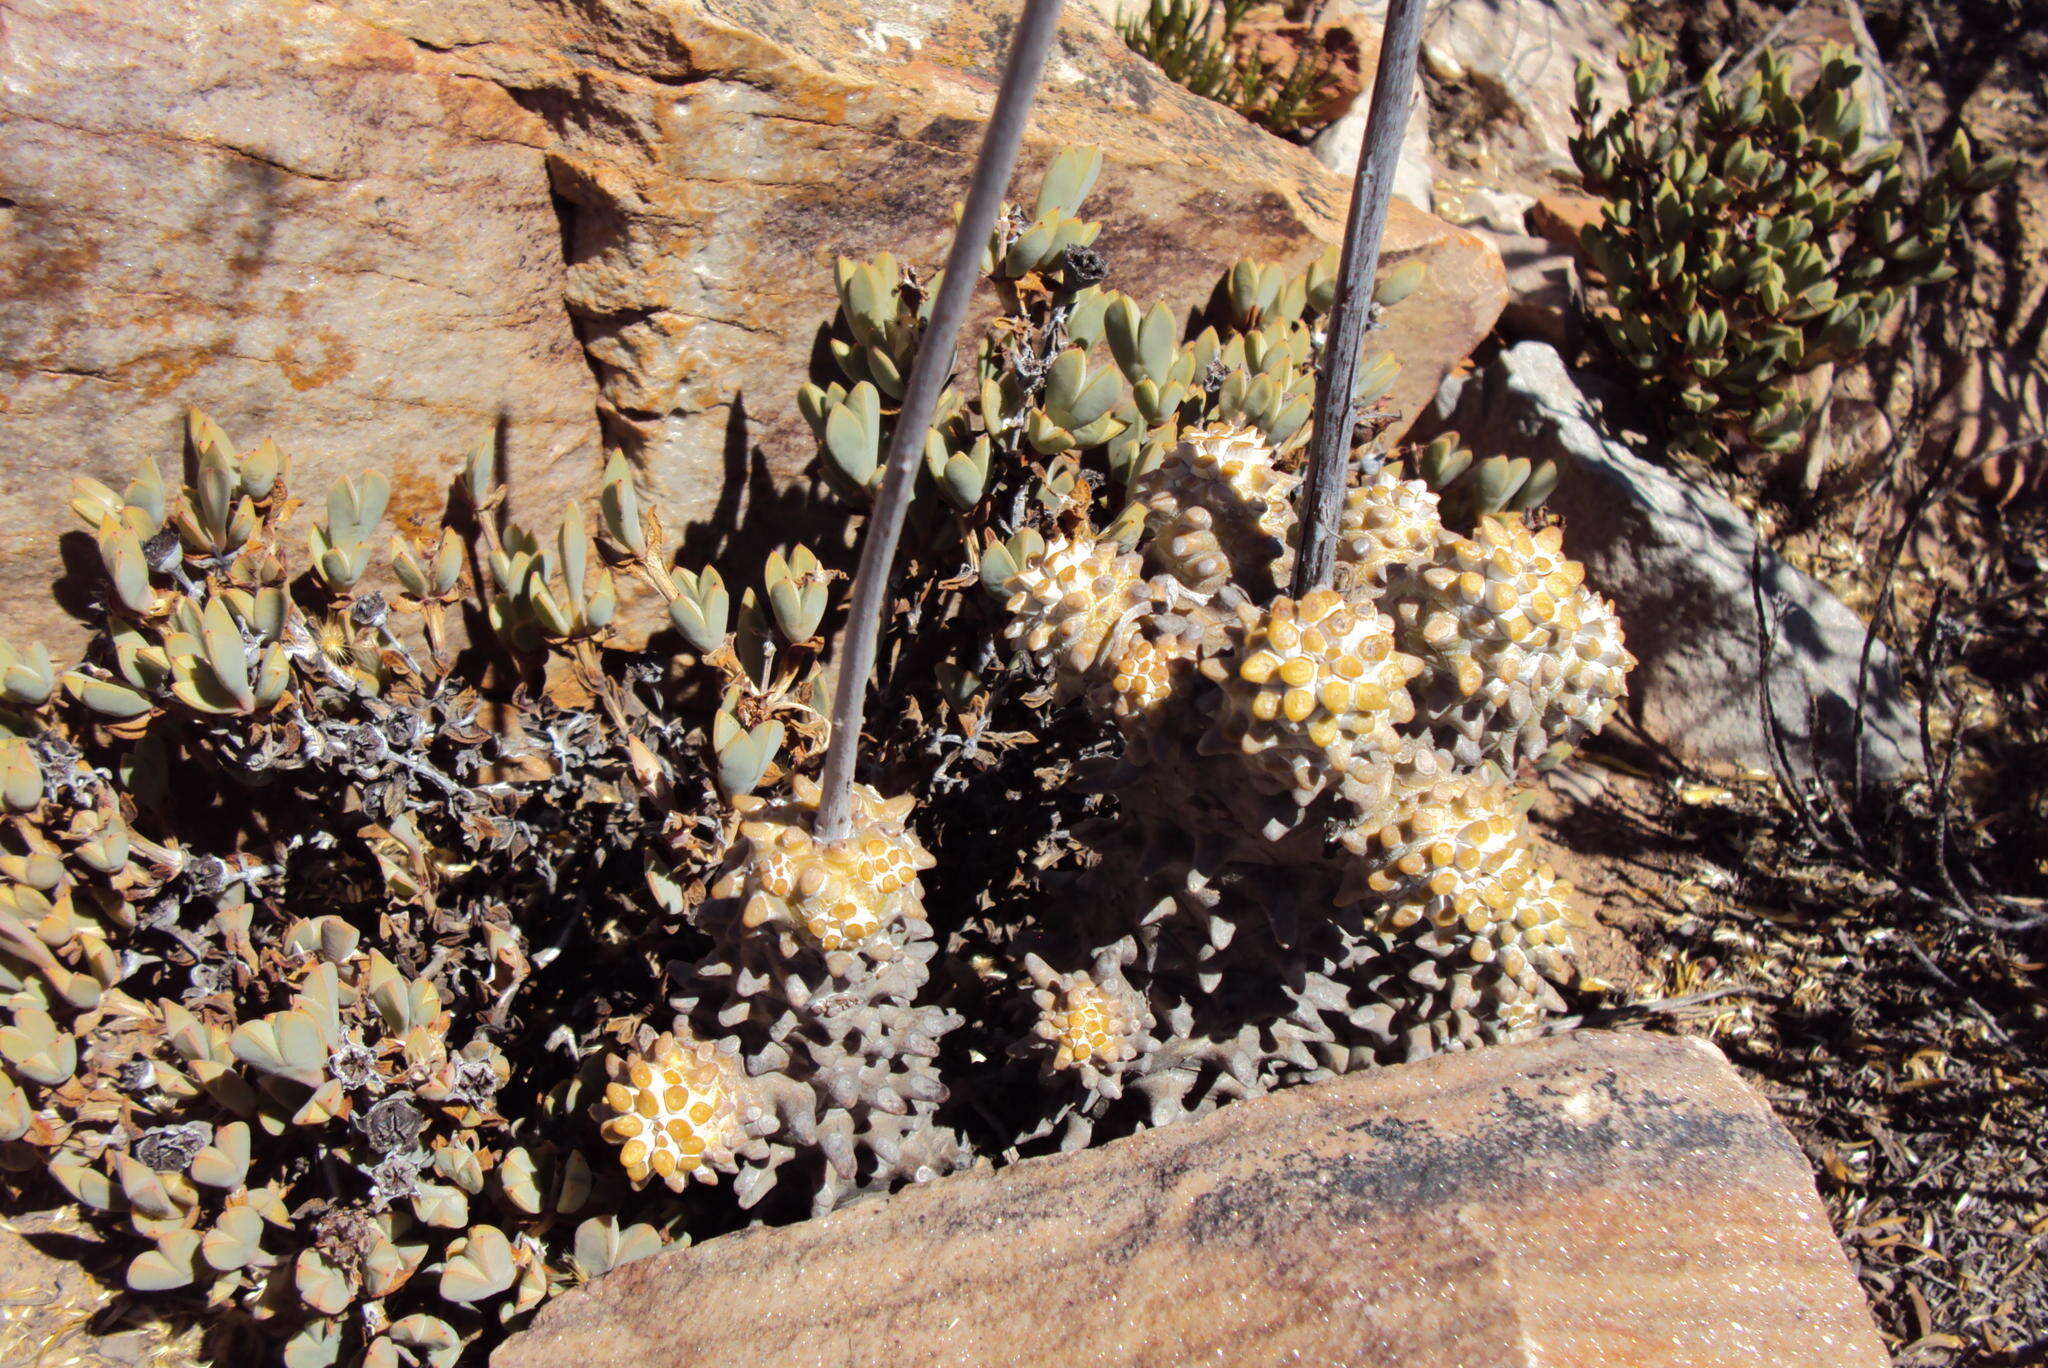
(928, 375)
(1322, 494)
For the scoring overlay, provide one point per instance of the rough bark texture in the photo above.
(1584, 1200)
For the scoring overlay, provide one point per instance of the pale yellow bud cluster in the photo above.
(1458, 861)
(1386, 522)
(834, 895)
(1390, 712)
(1071, 605)
(1145, 676)
(1084, 1024)
(1521, 654)
(1317, 685)
(1217, 510)
(1523, 587)
(682, 1111)
(1239, 459)
(1093, 1022)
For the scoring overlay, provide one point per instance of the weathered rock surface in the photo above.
(1586, 1200)
(714, 160)
(1543, 285)
(1676, 560)
(374, 228)
(1499, 77)
(1562, 219)
(1337, 146)
(312, 228)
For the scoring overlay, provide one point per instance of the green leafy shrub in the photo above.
(1192, 42)
(1755, 235)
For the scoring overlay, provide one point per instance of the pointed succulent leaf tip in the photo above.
(796, 590)
(121, 554)
(620, 504)
(853, 435)
(1074, 397)
(21, 779)
(575, 553)
(601, 1245)
(17, 1113)
(27, 677)
(170, 1265)
(235, 1241)
(700, 609)
(407, 569)
(93, 502)
(204, 434)
(421, 1339)
(1319, 282)
(480, 1266)
(743, 754)
(1067, 182)
(480, 472)
(259, 470)
(1376, 376)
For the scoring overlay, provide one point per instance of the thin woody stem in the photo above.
(928, 376)
(1329, 450)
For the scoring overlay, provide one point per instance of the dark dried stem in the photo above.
(1329, 451)
(1940, 482)
(928, 375)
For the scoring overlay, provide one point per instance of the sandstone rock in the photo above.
(1559, 219)
(1675, 559)
(312, 228)
(1501, 212)
(711, 163)
(1337, 146)
(1590, 1200)
(1542, 285)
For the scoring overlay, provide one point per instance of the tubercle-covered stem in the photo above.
(1322, 492)
(928, 375)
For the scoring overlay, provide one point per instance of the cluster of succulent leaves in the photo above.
(1077, 389)
(321, 905)
(1471, 488)
(1074, 381)
(1754, 235)
(1192, 42)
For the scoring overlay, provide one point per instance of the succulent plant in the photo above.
(369, 981)
(1469, 488)
(1134, 517)
(279, 907)
(1321, 864)
(1756, 235)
